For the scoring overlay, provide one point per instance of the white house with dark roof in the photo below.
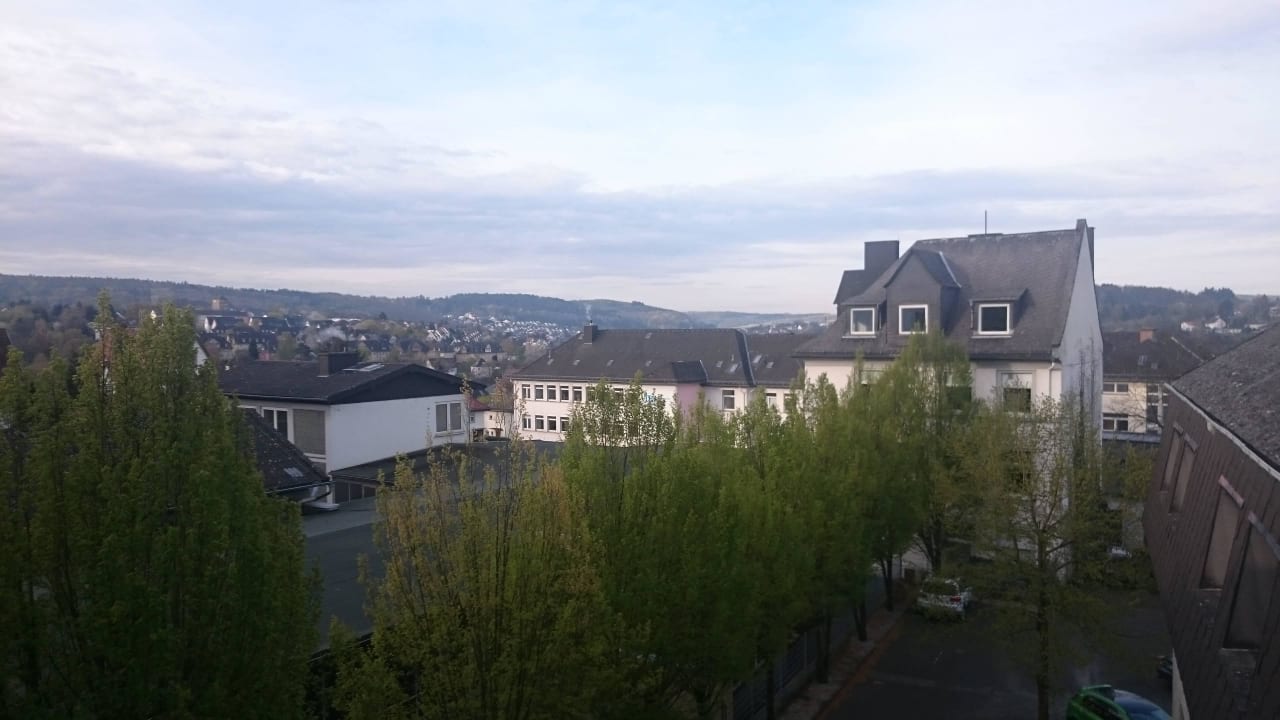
(722, 367)
(1023, 306)
(341, 412)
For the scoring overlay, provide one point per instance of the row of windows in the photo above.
(448, 417)
(562, 393)
(548, 423)
(1115, 387)
(1116, 422)
(1232, 542)
(992, 319)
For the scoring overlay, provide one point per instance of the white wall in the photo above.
(363, 432)
(1081, 350)
(1132, 404)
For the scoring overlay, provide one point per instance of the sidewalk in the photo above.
(817, 698)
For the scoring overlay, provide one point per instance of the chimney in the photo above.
(336, 362)
(1146, 335)
(879, 255)
(589, 333)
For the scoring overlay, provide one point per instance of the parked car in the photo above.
(944, 596)
(1103, 702)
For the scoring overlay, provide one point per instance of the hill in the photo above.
(125, 293)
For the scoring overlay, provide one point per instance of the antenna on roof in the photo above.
(984, 222)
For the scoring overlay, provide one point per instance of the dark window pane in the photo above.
(1017, 399)
(1253, 594)
(1185, 466)
(1171, 462)
(1224, 532)
(993, 318)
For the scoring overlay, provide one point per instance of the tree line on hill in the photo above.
(1127, 307)
(657, 562)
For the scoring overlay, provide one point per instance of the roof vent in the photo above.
(733, 368)
(647, 363)
(576, 361)
(769, 365)
(550, 360)
(719, 363)
(609, 363)
(648, 335)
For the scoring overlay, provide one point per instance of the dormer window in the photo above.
(994, 319)
(862, 321)
(913, 319)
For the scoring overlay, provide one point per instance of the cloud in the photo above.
(688, 158)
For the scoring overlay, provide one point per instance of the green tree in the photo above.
(1041, 519)
(146, 574)
(489, 607)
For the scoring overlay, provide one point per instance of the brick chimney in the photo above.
(589, 333)
(878, 256)
(1146, 335)
(336, 362)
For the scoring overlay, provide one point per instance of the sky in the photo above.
(698, 156)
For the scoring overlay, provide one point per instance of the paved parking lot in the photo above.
(961, 670)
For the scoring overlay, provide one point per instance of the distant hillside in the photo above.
(1133, 306)
(51, 290)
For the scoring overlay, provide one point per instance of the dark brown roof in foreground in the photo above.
(1160, 358)
(1036, 269)
(303, 381)
(1241, 390)
(662, 356)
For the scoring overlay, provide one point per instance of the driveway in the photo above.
(960, 670)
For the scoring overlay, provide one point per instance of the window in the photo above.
(564, 424)
(1225, 522)
(913, 319)
(993, 319)
(958, 397)
(1015, 391)
(1118, 422)
(862, 321)
(564, 393)
(1156, 403)
(1253, 592)
(577, 394)
(308, 431)
(526, 422)
(1185, 466)
(539, 422)
(591, 394)
(537, 392)
(448, 417)
(524, 391)
(1171, 462)
(727, 399)
(278, 419)
(771, 399)
(1115, 388)
(551, 423)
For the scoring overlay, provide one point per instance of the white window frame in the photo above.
(903, 330)
(537, 392)
(731, 396)
(448, 417)
(526, 422)
(1115, 388)
(1013, 379)
(526, 391)
(853, 327)
(771, 399)
(552, 424)
(1008, 318)
(288, 421)
(564, 393)
(539, 423)
(1115, 419)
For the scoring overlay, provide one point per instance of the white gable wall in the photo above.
(1081, 350)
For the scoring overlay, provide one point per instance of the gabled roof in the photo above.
(1241, 390)
(659, 356)
(1037, 269)
(1125, 356)
(772, 363)
(285, 470)
(302, 382)
(852, 284)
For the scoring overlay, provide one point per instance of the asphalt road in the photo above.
(961, 671)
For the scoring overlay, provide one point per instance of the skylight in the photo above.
(293, 472)
(370, 367)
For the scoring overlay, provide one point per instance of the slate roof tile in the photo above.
(303, 382)
(1241, 390)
